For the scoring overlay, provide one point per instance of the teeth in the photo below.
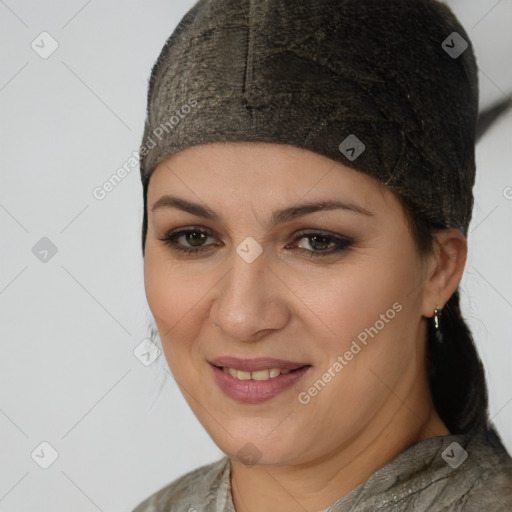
(259, 375)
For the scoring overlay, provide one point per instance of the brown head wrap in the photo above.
(388, 88)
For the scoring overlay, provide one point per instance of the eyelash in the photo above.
(342, 242)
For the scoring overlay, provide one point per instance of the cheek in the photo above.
(371, 309)
(171, 298)
(354, 300)
(171, 290)
(161, 292)
(368, 309)
(177, 298)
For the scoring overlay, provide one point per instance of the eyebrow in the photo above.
(278, 216)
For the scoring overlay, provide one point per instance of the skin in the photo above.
(289, 305)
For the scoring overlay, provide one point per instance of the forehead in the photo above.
(272, 170)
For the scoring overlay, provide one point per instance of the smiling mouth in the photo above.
(271, 373)
(256, 380)
(264, 374)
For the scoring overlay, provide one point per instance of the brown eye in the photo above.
(194, 236)
(319, 242)
(192, 241)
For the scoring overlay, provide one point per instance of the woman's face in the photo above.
(338, 292)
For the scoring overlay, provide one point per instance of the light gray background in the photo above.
(68, 375)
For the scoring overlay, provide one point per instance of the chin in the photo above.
(251, 444)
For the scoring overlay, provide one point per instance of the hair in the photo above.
(145, 185)
(456, 374)
(455, 371)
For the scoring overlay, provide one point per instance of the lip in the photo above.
(256, 391)
(256, 364)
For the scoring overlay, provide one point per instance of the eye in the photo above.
(319, 241)
(196, 237)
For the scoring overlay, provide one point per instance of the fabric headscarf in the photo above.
(389, 88)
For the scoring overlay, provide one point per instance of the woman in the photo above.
(307, 171)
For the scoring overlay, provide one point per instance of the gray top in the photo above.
(433, 475)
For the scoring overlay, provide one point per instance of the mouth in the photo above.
(256, 380)
(265, 374)
(256, 365)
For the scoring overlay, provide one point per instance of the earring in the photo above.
(437, 331)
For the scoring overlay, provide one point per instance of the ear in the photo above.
(444, 270)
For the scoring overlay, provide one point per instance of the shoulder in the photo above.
(196, 488)
(493, 491)
(491, 477)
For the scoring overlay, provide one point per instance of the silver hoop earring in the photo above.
(437, 329)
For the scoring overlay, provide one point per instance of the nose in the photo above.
(251, 301)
